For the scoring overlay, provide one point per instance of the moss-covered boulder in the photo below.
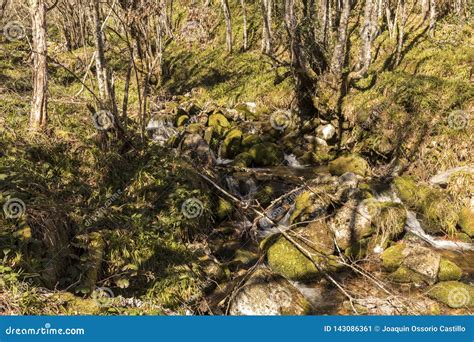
(393, 257)
(438, 213)
(231, 145)
(219, 122)
(453, 293)
(350, 163)
(303, 202)
(249, 140)
(266, 154)
(286, 259)
(448, 270)
(266, 293)
(243, 159)
(405, 275)
(466, 221)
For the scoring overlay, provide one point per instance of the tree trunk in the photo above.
(39, 103)
(244, 14)
(338, 56)
(228, 24)
(401, 31)
(366, 36)
(432, 17)
(267, 26)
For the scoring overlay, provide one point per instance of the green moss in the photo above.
(219, 122)
(224, 208)
(405, 275)
(448, 270)
(438, 213)
(231, 143)
(302, 202)
(266, 154)
(357, 250)
(284, 258)
(251, 139)
(393, 257)
(265, 195)
(466, 221)
(350, 163)
(453, 293)
(243, 159)
(181, 121)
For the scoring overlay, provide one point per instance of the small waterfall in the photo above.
(291, 161)
(161, 128)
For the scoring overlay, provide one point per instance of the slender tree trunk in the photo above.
(244, 14)
(401, 31)
(39, 103)
(267, 26)
(366, 37)
(228, 24)
(433, 15)
(425, 7)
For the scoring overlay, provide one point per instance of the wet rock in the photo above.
(268, 294)
(197, 147)
(388, 306)
(350, 163)
(266, 154)
(453, 293)
(466, 221)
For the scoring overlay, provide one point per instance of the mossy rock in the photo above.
(74, 305)
(284, 258)
(448, 270)
(266, 154)
(251, 139)
(393, 257)
(358, 250)
(405, 275)
(466, 221)
(243, 159)
(231, 143)
(350, 163)
(195, 128)
(302, 203)
(438, 213)
(182, 120)
(219, 122)
(453, 293)
(224, 208)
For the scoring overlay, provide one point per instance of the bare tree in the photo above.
(244, 14)
(401, 30)
(39, 103)
(433, 15)
(338, 55)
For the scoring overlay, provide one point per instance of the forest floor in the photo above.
(176, 228)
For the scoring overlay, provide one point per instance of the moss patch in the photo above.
(453, 293)
(448, 270)
(350, 163)
(266, 154)
(393, 257)
(466, 221)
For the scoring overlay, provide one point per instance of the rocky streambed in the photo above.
(302, 228)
